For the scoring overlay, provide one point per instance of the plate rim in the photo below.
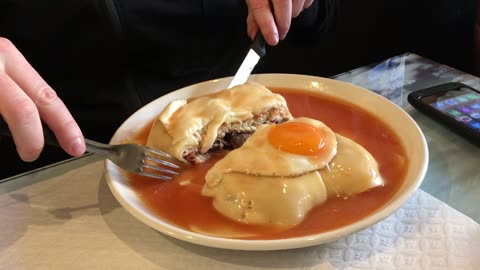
(274, 244)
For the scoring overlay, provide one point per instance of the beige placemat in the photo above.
(72, 221)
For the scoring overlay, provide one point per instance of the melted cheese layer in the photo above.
(260, 184)
(353, 170)
(184, 125)
(279, 201)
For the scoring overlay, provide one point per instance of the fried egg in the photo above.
(293, 148)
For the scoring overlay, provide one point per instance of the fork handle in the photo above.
(48, 135)
(50, 139)
(100, 149)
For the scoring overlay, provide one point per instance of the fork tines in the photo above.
(154, 163)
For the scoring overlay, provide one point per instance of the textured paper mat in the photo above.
(72, 221)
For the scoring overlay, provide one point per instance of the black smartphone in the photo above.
(455, 104)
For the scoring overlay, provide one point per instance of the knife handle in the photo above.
(258, 44)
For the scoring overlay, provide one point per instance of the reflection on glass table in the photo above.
(453, 175)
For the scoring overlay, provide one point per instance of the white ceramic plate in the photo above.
(400, 122)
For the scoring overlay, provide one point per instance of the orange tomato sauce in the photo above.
(184, 206)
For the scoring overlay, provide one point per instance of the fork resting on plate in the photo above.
(134, 158)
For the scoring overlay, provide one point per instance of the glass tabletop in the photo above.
(453, 175)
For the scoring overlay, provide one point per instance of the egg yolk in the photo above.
(297, 138)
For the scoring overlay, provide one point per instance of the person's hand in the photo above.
(25, 98)
(273, 17)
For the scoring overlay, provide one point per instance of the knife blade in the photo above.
(257, 50)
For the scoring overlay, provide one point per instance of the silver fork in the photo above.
(130, 157)
(136, 158)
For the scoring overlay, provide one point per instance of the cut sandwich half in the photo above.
(192, 129)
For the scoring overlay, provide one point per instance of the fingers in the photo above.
(22, 118)
(307, 4)
(283, 16)
(273, 21)
(260, 12)
(297, 7)
(46, 103)
(252, 27)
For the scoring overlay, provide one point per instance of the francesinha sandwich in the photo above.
(191, 129)
(292, 167)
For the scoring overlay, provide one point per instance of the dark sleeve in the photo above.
(73, 47)
(313, 22)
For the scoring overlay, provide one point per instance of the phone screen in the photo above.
(462, 104)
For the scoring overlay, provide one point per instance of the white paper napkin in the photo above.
(424, 234)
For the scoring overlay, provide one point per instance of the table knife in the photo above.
(257, 50)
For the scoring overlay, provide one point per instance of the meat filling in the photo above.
(233, 135)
